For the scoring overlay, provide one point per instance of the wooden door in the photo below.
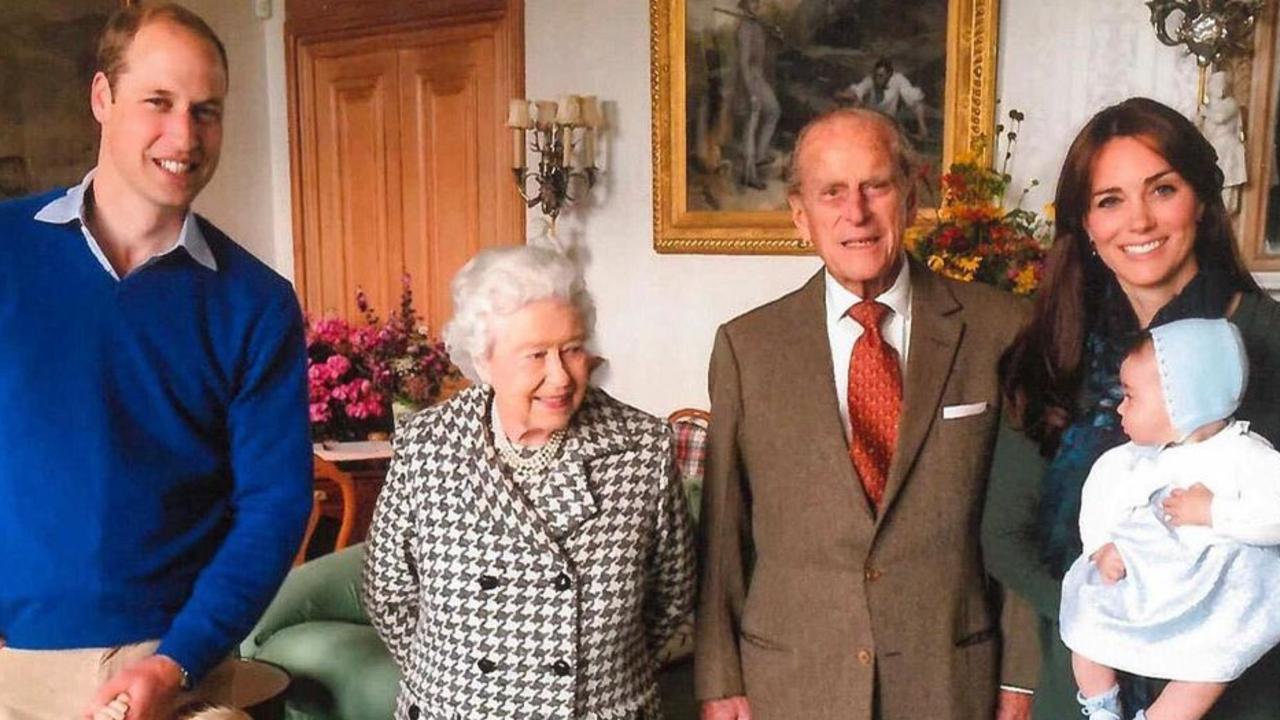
(352, 189)
(401, 157)
(452, 166)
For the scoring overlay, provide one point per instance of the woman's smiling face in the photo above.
(1142, 217)
(538, 367)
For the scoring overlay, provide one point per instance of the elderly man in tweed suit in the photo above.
(851, 428)
(531, 551)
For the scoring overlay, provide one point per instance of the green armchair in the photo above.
(317, 629)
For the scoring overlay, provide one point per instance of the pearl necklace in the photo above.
(524, 465)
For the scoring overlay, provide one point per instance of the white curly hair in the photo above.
(498, 282)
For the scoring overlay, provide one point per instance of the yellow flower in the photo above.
(913, 236)
(1049, 211)
(969, 264)
(1025, 281)
(935, 263)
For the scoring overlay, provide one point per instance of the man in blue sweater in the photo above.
(154, 453)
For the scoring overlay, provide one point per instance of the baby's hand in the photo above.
(1190, 506)
(1109, 563)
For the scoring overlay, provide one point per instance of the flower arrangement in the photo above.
(355, 372)
(975, 237)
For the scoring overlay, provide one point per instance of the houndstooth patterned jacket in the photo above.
(488, 615)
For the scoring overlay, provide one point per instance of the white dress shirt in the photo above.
(70, 208)
(843, 331)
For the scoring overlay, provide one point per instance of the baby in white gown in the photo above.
(1180, 576)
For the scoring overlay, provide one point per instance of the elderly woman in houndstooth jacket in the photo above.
(530, 552)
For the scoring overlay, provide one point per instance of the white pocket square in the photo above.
(951, 412)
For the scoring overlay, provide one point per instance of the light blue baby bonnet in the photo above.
(1195, 604)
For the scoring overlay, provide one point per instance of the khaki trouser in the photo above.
(59, 684)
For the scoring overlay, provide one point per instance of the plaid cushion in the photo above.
(691, 459)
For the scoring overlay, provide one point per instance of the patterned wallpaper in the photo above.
(1063, 60)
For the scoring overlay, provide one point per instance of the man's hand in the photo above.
(733, 708)
(151, 684)
(1014, 705)
(1109, 563)
(1190, 506)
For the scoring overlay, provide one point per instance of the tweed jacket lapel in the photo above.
(571, 492)
(936, 328)
(805, 359)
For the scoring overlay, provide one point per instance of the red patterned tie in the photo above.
(875, 394)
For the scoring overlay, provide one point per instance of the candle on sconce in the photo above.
(518, 120)
(518, 115)
(590, 111)
(589, 148)
(518, 148)
(566, 140)
(582, 160)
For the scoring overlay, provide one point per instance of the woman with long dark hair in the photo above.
(1142, 239)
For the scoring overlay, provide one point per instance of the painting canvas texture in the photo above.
(757, 70)
(48, 137)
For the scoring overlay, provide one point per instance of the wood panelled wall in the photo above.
(401, 156)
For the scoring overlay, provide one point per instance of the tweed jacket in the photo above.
(811, 604)
(487, 613)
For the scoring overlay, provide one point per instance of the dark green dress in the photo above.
(1011, 536)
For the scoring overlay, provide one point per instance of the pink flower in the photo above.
(354, 370)
(338, 365)
(320, 373)
(331, 331)
(320, 412)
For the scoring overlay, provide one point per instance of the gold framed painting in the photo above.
(48, 137)
(733, 81)
(1256, 85)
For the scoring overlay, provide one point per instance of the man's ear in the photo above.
(798, 216)
(100, 97)
(913, 202)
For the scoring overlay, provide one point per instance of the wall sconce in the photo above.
(564, 137)
(1211, 29)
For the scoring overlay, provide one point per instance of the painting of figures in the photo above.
(48, 137)
(734, 82)
(757, 70)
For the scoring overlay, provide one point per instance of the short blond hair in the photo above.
(124, 25)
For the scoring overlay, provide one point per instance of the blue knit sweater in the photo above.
(154, 454)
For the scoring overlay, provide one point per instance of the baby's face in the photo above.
(1143, 414)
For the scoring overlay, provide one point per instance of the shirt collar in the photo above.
(70, 208)
(897, 297)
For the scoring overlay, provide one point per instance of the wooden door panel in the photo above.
(401, 154)
(451, 187)
(356, 239)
